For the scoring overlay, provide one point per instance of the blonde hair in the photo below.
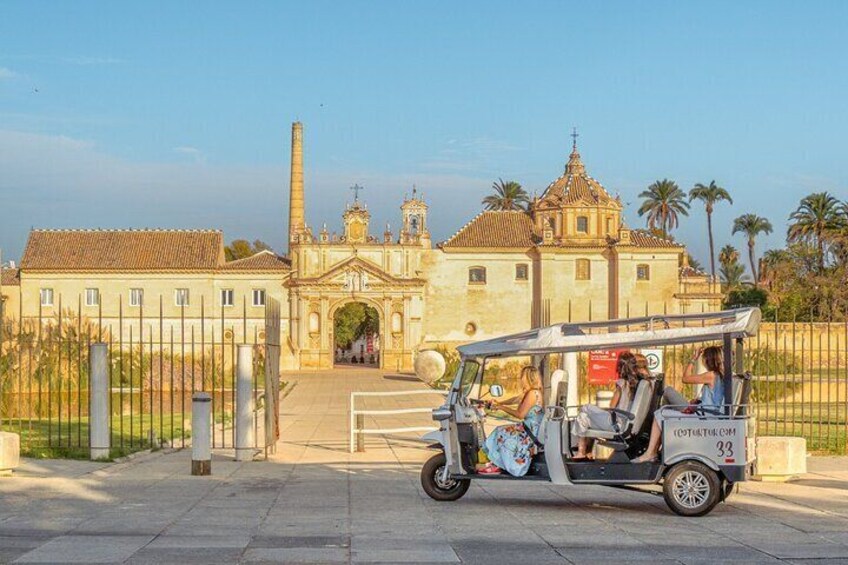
(530, 378)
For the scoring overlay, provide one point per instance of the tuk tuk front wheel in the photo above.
(691, 488)
(437, 488)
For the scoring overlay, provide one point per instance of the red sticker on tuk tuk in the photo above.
(730, 460)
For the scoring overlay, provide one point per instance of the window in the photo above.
(46, 297)
(582, 224)
(477, 275)
(181, 297)
(136, 297)
(583, 270)
(521, 271)
(609, 226)
(92, 297)
(258, 297)
(227, 297)
(643, 272)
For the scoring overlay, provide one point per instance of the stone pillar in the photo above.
(245, 437)
(201, 437)
(98, 402)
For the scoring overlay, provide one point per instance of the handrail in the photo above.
(357, 429)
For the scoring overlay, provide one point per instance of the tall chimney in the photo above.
(296, 215)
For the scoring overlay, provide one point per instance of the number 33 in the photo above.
(725, 448)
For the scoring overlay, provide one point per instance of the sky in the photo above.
(178, 115)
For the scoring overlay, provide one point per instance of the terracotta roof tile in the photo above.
(576, 186)
(123, 250)
(263, 261)
(10, 277)
(501, 228)
(641, 238)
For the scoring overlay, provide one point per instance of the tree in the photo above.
(710, 195)
(352, 321)
(732, 273)
(817, 218)
(664, 203)
(241, 248)
(752, 225)
(508, 196)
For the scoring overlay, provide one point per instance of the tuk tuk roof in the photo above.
(648, 331)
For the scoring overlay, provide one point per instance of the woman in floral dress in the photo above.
(510, 447)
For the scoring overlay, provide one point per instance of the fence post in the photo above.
(201, 437)
(360, 437)
(244, 404)
(99, 439)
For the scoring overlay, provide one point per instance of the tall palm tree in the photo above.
(818, 216)
(664, 203)
(710, 195)
(752, 225)
(508, 196)
(732, 273)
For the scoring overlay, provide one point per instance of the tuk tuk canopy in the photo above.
(677, 329)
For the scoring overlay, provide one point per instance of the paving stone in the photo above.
(85, 549)
(296, 555)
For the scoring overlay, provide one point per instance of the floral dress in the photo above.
(510, 447)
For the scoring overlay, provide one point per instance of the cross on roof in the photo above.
(356, 188)
(574, 136)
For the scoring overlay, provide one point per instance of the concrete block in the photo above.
(780, 458)
(10, 451)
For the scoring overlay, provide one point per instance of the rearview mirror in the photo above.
(496, 391)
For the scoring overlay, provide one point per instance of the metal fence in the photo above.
(156, 362)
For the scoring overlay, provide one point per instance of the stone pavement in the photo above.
(314, 502)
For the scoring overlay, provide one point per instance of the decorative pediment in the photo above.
(356, 274)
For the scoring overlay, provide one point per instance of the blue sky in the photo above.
(178, 114)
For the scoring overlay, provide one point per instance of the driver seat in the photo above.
(629, 423)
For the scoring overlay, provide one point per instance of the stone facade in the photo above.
(569, 257)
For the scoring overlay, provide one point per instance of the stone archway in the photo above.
(355, 329)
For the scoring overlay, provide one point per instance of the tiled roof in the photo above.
(263, 261)
(123, 250)
(500, 228)
(576, 186)
(641, 238)
(10, 277)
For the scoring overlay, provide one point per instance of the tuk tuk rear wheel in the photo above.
(438, 489)
(691, 488)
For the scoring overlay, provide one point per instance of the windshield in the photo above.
(468, 375)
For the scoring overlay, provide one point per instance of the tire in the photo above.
(454, 489)
(691, 488)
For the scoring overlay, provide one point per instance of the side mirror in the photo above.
(496, 391)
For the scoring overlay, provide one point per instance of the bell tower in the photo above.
(414, 220)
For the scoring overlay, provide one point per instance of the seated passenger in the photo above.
(631, 368)
(512, 446)
(712, 394)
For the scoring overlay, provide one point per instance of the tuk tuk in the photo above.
(703, 454)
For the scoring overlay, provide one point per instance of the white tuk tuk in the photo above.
(702, 455)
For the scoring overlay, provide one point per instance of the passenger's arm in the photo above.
(526, 404)
(616, 396)
(690, 377)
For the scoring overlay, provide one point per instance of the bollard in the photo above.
(245, 443)
(360, 437)
(99, 438)
(201, 436)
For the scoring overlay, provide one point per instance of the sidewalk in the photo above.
(313, 502)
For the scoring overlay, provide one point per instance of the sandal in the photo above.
(489, 469)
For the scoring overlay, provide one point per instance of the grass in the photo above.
(44, 439)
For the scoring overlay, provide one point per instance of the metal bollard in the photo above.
(360, 437)
(201, 434)
(99, 439)
(245, 440)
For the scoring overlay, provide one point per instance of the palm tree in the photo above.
(508, 196)
(752, 225)
(732, 273)
(727, 255)
(817, 216)
(664, 202)
(710, 195)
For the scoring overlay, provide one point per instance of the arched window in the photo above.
(477, 275)
(583, 270)
(582, 224)
(314, 322)
(397, 323)
(643, 272)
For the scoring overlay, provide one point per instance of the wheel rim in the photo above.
(691, 489)
(446, 484)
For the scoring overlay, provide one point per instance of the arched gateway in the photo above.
(356, 329)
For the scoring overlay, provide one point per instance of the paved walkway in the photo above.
(315, 503)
